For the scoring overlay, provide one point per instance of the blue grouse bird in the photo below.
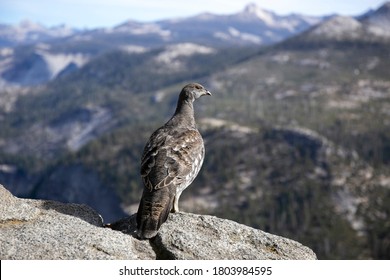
(171, 160)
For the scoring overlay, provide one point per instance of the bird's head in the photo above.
(193, 91)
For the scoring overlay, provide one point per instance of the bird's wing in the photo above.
(170, 158)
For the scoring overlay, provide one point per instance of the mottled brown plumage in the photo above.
(171, 160)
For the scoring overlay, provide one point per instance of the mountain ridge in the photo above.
(51, 54)
(372, 26)
(38, 54)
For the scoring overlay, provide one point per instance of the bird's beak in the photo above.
(208, 93)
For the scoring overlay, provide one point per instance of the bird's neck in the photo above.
(184, 114)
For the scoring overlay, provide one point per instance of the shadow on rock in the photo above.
(127, 225)
(82, 211)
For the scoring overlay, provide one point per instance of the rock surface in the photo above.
(39, 229)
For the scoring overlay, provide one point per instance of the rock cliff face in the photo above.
(41, 229)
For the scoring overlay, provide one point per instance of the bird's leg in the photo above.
(175, 208)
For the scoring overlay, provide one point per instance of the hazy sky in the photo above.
(99, 13)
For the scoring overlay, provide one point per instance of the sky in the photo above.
(108, 13)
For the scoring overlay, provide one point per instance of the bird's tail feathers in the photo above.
(153, 211)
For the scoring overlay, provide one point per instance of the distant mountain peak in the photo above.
(253, 10)
(339, 25)
(28, 32)
(373, 25)
(379, 18)
(386, 5)
(337, 28)
(30, 25)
